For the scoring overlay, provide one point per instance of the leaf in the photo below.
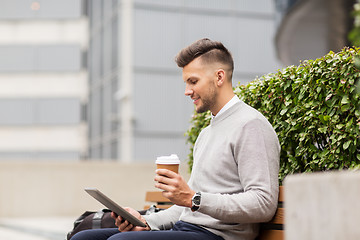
(328, 97)
(287, 103)
(323, 129)
(347, 144)
(326, 118)
(345, 108)
(345, 100)
(283, 111)
(357, 113)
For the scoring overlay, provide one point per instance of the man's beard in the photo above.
(207, 101)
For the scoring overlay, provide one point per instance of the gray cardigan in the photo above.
(236, 164)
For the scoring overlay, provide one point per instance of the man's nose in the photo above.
(188, 91)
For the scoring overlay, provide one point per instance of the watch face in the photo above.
(196, 200)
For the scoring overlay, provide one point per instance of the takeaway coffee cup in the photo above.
(168, 162)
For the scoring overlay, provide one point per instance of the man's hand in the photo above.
(174, 187)
(125, 226)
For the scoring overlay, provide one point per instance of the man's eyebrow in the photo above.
(191, 78)
(187, 80)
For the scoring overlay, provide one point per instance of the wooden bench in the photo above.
(157, 199)
(272, 230)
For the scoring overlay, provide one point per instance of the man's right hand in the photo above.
(125, 226)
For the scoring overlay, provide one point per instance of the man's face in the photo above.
(200, 82)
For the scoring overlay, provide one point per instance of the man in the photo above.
(234, 180)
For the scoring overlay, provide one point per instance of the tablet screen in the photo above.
(102, 198)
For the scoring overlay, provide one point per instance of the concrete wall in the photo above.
(322, 206)
(42, 189)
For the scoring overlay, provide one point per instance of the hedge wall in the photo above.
(313, 107)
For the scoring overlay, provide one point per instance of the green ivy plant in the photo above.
(314, 109)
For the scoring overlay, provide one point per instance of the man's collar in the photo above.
(228, 105)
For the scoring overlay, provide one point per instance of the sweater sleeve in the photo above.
(256, 152)
(165, 219)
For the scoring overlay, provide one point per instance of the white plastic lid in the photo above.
(172, 159)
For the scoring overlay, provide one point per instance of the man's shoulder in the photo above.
(246, 112)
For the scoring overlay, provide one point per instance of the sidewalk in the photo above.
(35, 228)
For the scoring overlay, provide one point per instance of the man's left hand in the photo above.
(174, 187)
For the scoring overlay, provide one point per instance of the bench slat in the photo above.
(281, 194)
(158, 206)
(156, 196)
(271, 235)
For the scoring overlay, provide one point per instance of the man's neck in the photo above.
(222, 103)
(229, 103)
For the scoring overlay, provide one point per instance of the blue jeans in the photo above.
(180, 231)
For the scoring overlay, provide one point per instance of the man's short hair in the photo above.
(210, 51)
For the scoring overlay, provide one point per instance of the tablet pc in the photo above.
(102, 198)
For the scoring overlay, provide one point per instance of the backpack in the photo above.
(92, 220)
(100, 219)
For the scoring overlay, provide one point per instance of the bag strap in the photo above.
(96, 222)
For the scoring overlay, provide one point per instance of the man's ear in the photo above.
(220, 74)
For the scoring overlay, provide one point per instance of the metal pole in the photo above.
(125, 145)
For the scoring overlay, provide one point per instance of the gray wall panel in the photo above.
(148, 148)
(95, 114)
(17, 58)
(96, 64)
(200, 26)
(96, 12)
(107, 40)
(160, 3)
(49, 9)
(39, 111)
(263, 60)
(116, 42)
(258, 6)
(59, 58)
(58, 111)
(16, 112)
(40, 58)
(160, 103)
(211, 4)
(107, 114)
(158, 37)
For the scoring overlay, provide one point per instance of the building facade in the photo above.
(43, 80)
(309, 29)
(137, 109)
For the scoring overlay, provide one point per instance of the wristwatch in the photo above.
(196, 199)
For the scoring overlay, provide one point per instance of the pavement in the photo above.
(54, 228)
